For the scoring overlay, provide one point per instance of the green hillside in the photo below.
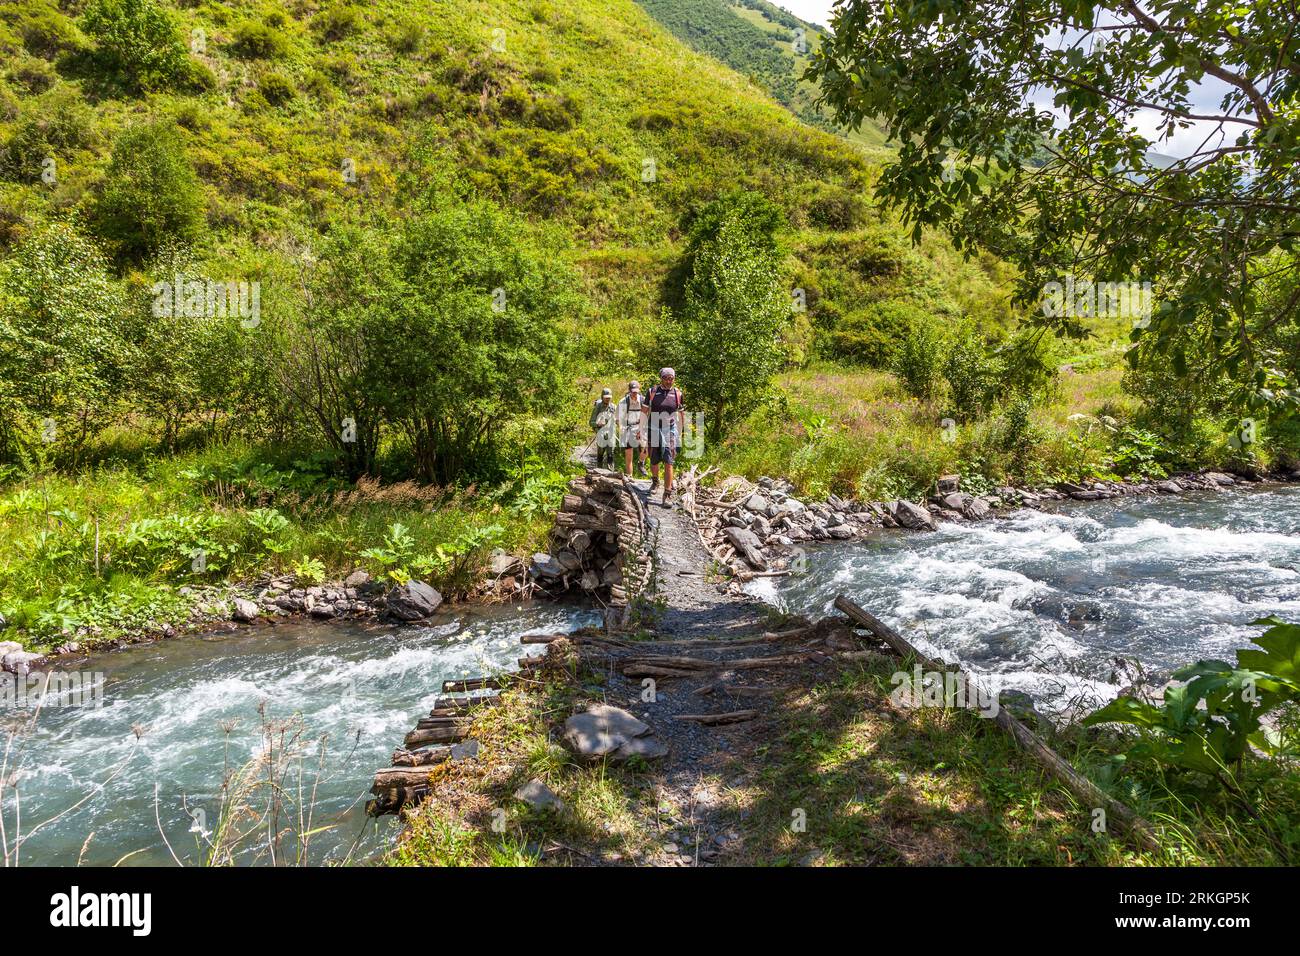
(766, 43)
(561, 123)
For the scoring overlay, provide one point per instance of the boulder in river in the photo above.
(947, 484)
(245, 611)
(912, 516)
(413, 601)
(22, 662)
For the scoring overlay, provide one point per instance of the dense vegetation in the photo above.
(247, 248)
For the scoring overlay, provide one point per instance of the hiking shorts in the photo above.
(663, 451)
(631, 438)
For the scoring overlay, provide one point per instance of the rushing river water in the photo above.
(362, 686)
(1038, 601)
(1043, 601)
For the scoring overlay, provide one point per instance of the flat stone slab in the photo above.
(539, 796)
(605, 731)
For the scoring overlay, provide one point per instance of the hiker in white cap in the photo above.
(632, 437)
(666, 423)
(604, 421)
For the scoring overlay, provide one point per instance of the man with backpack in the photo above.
(666, 423)
(632, 435)
(604, 423)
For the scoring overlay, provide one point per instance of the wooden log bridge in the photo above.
(433, 740)
(1088, 793)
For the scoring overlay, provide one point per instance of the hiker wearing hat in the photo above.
(632, 437)
(604, 421)
(666, 421)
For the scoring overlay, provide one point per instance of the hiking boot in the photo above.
(668, 498)
(654, 483)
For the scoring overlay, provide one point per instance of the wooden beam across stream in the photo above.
(1087, 792)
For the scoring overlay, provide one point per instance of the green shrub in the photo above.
(276, 88)
(336, 22)
(873, 335)
(259, 40)
(50, 126)
(919, 359)
(139, 41)
(32, 74)
(150, 195)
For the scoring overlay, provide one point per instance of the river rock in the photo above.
(912, 516)
(22, 662)
(605, 731)
(748, 547)
(465, 750)
(503, 563)
(357, 579)
(9, 647)
(1219, 478)
(947, 484)
(976, 509)
(1170, 487)
(245, 611)
(539, 796)
(545, 566)
(412, 601)
(757, 504)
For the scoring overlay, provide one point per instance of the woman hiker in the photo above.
(632, 435)
(667, 423)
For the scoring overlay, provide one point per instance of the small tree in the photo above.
(471, 342)
(62, 355)
(734, 307)
(151, 196)
(139, 41)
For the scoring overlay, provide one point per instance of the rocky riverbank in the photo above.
(758, 528)
(277, 599)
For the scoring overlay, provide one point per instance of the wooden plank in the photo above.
(1088, 793)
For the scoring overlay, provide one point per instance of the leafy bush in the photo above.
(139, 40)
(259, 40)
(151, 195)
(919, 360)
(1207, 724)
(277, 88)
(336, 22)
(49, 127)
(873, 335)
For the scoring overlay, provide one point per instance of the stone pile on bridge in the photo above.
(601, 542)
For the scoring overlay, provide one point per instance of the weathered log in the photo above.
(400, 777)
(424, 757)
(1088, 793)
(461, 704)
(649, 670)
(442, 720)
(475, 683)
(435, 735)
(740, 690)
